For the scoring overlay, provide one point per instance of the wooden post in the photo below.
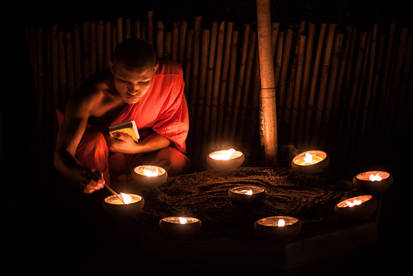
(268, 102)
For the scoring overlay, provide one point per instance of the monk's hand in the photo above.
(92, 180)
(122, 143)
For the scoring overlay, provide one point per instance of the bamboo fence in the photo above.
(334, 84)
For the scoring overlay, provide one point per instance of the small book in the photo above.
(127, 127)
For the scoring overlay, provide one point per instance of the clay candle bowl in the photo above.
(359, 207)
(149, 177)
(180, 226)
(312, 161)
(223, 160)
(130, 205)
(374, 181)
(246, 195)
(282, 228)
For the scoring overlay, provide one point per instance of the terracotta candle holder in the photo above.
(374, 181)
(148, 177)
(131, 204)
(282, 228)
(223, 160)
(359, 207)
(312, 161)
(246, 195)
(180, 226)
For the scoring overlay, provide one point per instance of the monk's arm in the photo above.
(68, 138)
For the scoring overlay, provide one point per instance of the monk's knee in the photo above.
(174, 161)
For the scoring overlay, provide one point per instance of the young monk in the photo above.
(136, 87)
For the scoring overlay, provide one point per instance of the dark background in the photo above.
(29, 194)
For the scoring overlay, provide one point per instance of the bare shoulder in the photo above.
(88, 99)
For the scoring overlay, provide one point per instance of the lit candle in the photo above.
(148, 177)
(225, 159)
(246, 195)
(359, 207)
(130, 203)
(374, 181)
(312, 161)
(180, 226)
(279, 227)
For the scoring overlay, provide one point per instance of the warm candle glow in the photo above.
(248, 192)
(375, 177)
(309, 157)
(182, 220)
(126, 198)
(149, 171)
(354, 201)
(281, 223)
(225, 154)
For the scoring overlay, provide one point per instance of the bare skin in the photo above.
(103, 100)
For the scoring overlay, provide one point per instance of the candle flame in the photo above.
(308, 159)
(126, 198)
(353, 203)
(182, 220)
(151, 172)
(375, 177)
(248, 192)
(223, 154)
(281, 223)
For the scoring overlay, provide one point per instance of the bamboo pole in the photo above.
(394, 94)
(199, 104)
(284, 71)
(175, 40)
(93, 49)
(240, 82)
(367, 100)
(305, 83)
(210, 81)
(278, 62)
(114, 37)
(128, 26)
(62, 70)
(292, 78)
(188, 62)
(268, 100)
(168, 45)
(138, 29)
(69, 60)
(86, 49)
(224, 81)
(217, 80)
(297, 87)
(159, 39)
(119, 30)
(41, 69)
(231, 85)
(247, 87)
(403, 112)
(182, 38)
(144, 35)
(108, 46)
(55, 66)
(150, 27)
(323, 81)
(314, 80)
(331, 89)
(195, 59)
(100, 45)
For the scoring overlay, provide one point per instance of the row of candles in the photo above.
(281, 227)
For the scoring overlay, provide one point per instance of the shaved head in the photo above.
(134, 54)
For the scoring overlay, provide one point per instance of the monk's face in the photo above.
(132, 85)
